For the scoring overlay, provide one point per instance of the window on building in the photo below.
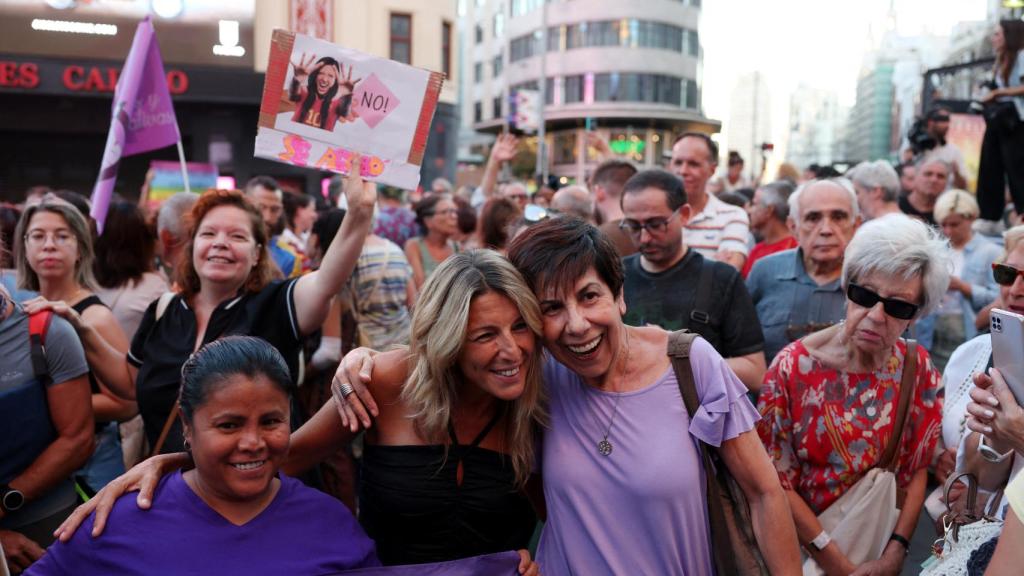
(498, 65)
(564, 148)
(496, 106)
(478, 72)
(479, 33)
(446, 48)
(478, 112)
(498, 25)
(693, 43)
(573, 91)
(401, 37)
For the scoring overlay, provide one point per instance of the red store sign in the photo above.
(77, 78)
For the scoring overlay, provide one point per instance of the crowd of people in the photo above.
(296, 387)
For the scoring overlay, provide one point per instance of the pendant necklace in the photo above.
(605, 447)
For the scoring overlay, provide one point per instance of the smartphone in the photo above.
(1008, 349)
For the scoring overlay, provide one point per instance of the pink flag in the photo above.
(142, 116)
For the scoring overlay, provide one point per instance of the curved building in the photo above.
(630, 70)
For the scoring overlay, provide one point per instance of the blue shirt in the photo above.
(789, 303)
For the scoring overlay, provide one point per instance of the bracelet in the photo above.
(989, 454)
(903, 541)
(820, 542)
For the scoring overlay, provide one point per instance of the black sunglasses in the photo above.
(899, 309)
(1004, 274)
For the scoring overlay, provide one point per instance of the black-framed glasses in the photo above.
(1004, 274)
(863, 297)
(653, 225)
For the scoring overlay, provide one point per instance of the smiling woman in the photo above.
(235, 508)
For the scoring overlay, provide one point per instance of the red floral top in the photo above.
(824, 429)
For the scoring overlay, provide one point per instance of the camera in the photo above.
(977, 106)
(920, 140)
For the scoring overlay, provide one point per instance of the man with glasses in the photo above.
(798, 291)
(671, 286)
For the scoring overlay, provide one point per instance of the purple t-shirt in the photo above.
(301, 532)
(639, 510)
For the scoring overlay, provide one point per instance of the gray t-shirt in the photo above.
(24, 430)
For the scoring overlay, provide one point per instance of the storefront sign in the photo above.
(77, 78)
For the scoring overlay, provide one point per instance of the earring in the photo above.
(188, 446)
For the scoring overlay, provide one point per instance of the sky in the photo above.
(818, 42)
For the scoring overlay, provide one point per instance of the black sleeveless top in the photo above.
(94, 386)
(413, 506)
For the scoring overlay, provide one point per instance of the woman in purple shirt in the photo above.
(233, 513)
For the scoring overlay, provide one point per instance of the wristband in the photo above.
(989, 454)
(820, 542)
(903, 541)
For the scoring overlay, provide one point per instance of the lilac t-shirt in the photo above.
(641, 509)
(301, 532)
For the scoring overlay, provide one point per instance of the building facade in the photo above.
(750, 122)
(631, 71)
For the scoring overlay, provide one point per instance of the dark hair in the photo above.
(263, 182)
(125, 250)
(426, 207)
(311, 95)
(735, 158)
(223, 358)
(291, 202)
(612, 175)
(712, 146)
(326, 227)
(735, 198)
(746, 192)
(1013, 43)
(467, 215)
(557, 252)
(79, 201)
(665, 181)
(262, 273)
(9, 216)
(495, 217)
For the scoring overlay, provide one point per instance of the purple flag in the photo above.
(500, 564)
(142, 116)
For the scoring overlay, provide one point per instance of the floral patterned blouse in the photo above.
(824, 429)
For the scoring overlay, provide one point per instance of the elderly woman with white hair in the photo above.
(844, 406)
(971, 286)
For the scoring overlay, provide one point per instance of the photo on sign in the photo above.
(325, 90)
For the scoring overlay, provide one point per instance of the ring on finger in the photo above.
(345, 388)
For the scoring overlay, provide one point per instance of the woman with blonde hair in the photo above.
(971, 286)
(54, 255)
(447, 461)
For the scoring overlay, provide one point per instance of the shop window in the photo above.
(401, 37)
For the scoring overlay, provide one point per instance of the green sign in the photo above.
(627, 147)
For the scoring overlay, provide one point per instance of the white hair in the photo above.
(877, 174)
(955, 201)
(843, 183)
(896, 245)
(171, 216)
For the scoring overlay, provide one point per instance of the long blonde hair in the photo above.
(438, 335)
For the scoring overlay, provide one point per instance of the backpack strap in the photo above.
(679, 353)
(38, 325)
(702, 299)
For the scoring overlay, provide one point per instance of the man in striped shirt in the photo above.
(716, 230)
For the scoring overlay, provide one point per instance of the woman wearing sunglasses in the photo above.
(969, 393)
(830, 403)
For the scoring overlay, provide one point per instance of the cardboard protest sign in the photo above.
(167, 179)
(322, 102)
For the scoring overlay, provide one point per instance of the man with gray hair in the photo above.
(798, 291)
(929, 183)
(574, 200)
(769, 211)
(172, 231)
(878, 188)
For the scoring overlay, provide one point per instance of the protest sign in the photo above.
(168, 180)
(322, 103)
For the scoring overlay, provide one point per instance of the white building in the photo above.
(750, 123)
(814, 125)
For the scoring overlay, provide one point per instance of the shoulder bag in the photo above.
(964, 530)
(733, 545)
(861, 521)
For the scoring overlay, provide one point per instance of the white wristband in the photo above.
(988, 453)
(821, 541)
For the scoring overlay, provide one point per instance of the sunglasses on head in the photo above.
(865, 298)
(1004, 274)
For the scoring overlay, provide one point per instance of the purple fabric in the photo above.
(396, 223)
(142, 117)
(500, 564)
(638, 510)
(301, 532)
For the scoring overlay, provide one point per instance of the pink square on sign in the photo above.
(373, 101)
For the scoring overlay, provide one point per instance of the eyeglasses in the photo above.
(653, 226)
(865, 298)
(446, 212)
(60, 238)
(1004, 274)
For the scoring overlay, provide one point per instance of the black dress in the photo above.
(413, 506)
